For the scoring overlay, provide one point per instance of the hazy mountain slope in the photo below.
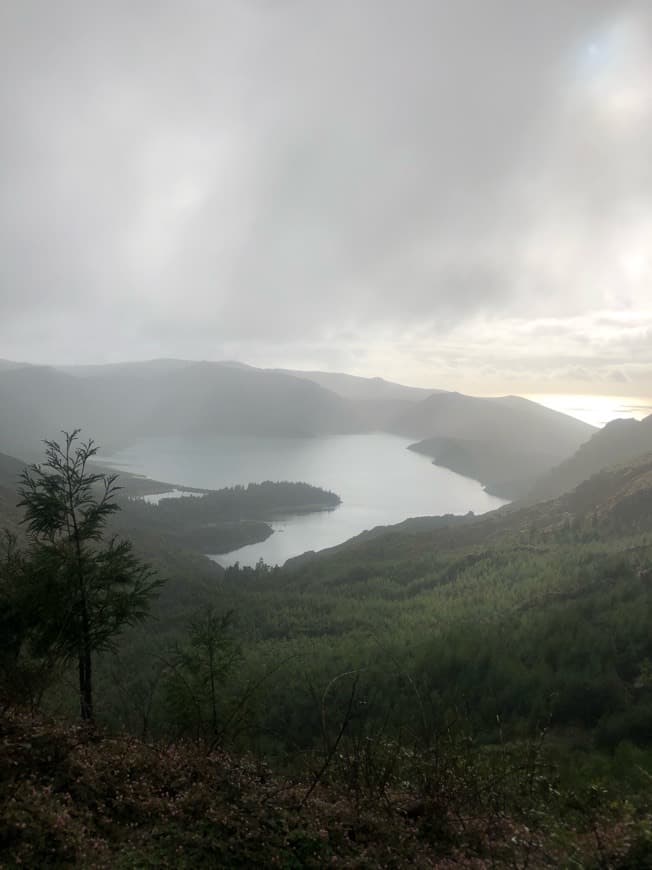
(509, 418)
(6, 364)
(209, 398)
(370, 402)
(9, 515)
(137, 369)
(506, 443)
(346, 386)
(618, 442)
(502, 468)
(355, 387)
(37, 402)
(377, 414)
(10, 468)
(120, 404)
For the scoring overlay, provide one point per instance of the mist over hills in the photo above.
(119, 404)
(508, 418)
(10, 468)
(345, 385)
(620, 441)
(607, 484)
(137, 369)
(507, 443)
(355, 387)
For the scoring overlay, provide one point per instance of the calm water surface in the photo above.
(378, 480)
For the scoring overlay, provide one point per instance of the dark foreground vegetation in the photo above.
(477, 693)
(73, 796)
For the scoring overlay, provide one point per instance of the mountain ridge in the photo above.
(618, 442)
(508, 443)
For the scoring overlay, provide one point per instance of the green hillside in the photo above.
(618, 442)
(474, 690)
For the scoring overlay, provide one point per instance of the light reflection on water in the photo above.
(379, 481)
(155, 498)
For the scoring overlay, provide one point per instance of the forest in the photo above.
(399, 680)
(363, 289)
(218, 521)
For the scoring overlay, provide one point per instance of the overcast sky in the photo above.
(452, 194)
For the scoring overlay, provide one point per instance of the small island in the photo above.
(220, 521)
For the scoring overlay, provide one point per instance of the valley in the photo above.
(377, 479)
(326, 435)
(443, 639)
(123, 403)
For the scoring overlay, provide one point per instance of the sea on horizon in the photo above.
(597, 410)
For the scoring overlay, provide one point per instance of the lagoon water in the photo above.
(379, 481)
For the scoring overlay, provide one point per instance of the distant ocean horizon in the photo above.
(597, 410)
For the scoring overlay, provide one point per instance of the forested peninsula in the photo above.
(219, 521)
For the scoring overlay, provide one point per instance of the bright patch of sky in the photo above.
(446, 194)
(597, 410)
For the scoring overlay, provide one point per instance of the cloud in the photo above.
(352, 184)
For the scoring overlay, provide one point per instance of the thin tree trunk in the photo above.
(85, 664)
(213, 699)
(82, 683)
(87, 688)
(88, 713)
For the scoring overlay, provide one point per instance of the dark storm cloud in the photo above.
(361, 178)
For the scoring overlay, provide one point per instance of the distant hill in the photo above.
(6, 364)
(354, 387)
(510, 418)
(503, 469)
(147, 367)
(618, 442)
(346, 386)
(37, 402)
(506, 443)
(118, 404)
(212, 398)
(10, 468)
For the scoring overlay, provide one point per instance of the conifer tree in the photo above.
(85, 587)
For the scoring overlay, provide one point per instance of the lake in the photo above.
(379, 481)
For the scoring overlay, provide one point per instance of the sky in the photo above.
(453, 195)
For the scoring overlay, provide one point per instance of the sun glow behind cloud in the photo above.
(463, 200)
(614, 73)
